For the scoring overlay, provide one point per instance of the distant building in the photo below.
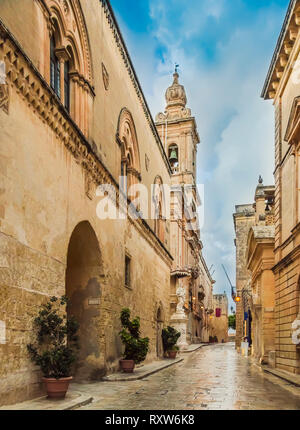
(191, 282)
(220, 318)
(254, 227)
(244, 219)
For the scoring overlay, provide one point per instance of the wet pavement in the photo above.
(215, 377)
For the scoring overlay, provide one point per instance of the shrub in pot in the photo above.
(136, 348)
(54, 351)
(170, 337)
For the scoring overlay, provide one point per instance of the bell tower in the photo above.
(178, 132)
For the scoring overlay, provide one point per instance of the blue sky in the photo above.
(224, 48)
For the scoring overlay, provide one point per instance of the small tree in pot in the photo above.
(54, 349)
(170, 337)
(136, 348)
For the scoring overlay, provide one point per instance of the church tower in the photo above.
(178, 132)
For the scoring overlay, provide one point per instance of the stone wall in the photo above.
(244, 218)
(49, 173)
(220, 323)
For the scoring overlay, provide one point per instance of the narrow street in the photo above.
(213, 378)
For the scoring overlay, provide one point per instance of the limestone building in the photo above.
(244, 219)
(254, 227)
(282, 86)
(220, 318)
(260, 261)
(191, 283)
(73, 117)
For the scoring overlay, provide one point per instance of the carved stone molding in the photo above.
(38, 96)
(4, 98)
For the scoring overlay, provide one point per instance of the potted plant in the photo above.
(170, 337)
(136, 348)
(54, 349)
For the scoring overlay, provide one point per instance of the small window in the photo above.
(127, 271)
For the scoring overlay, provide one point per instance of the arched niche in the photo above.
(83, 289)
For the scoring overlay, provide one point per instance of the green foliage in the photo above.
(170, 337)
(136, 348)
(232, 321)
(56, 340)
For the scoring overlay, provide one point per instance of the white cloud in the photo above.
(235, 125)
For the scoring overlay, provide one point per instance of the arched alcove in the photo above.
(83, 289)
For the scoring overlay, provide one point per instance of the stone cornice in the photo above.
(32, 87)
(176, 121)
(133, 76)
(283, 50)
(287, 260)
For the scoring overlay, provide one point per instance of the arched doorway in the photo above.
(83, 289)
(159, 328)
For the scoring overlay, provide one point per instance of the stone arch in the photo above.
(72, 52)
(83, 289)
(174, 164)
(159, 320)
(130, 155)
(69, 19)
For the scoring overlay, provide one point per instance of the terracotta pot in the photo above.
(57, 388)
(127, 365)
(172, 354)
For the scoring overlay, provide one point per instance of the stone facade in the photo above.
(72, 117)
(220, 318)
(260, 260)
(191, 283)
(244, 219)
(282, 86)
(52, 241)
(254, 227)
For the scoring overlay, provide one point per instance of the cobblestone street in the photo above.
(215, 377)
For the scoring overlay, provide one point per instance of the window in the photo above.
(54, 69)
(173, 158)
(218, 312)
(127, 271)
(67, 85)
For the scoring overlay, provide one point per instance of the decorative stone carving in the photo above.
(175, 94)
(4, 98)
(105, 77)
(66, 7)
(88, 186)
(181, 300)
